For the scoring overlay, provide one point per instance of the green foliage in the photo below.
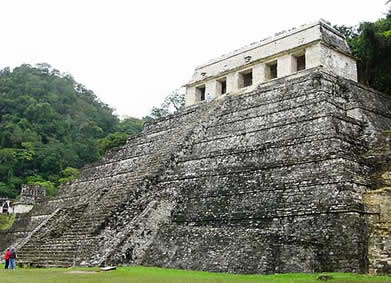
(158, 112)
(111, 141)
(172, 103)
(371, 44)
(49, 122)
(130, 126)
(6, 221)
(69, 174)
(8, 190)
(50, 187)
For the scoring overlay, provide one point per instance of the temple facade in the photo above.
(280, 172)
(306, 47)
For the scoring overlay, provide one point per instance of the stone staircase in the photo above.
(73, 232)
(75, 235)
(269, 181)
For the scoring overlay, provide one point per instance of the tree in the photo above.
(371, 44)
(48, 123)
(111, 141)
(130, 126)
(69, 174)
(172, 103)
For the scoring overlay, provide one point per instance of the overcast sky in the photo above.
(134, 53)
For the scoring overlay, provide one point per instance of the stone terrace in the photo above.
(270, 181)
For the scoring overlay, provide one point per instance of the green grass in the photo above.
(160, 275)
(6, 221)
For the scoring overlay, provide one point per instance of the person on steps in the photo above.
(7, 257)
(12, 259)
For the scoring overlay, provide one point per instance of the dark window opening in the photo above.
(5, 208)
(222, 86)
(300, 63)
(201, 93)
(246, 79)
(271, 71)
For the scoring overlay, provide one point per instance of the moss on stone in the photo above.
(6, 221)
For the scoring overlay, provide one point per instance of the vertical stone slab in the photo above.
(378, 202)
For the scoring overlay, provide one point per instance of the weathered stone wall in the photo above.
(379, 237)
(377, 202)
(21, 228)
(337, 63)
(26, 223)
(32, 193)
(270, 181)
(319, 43)
(306, 34)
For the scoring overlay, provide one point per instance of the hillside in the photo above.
(49, 124)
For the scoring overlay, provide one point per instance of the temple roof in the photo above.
(280, 42)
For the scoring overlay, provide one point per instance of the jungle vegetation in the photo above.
(371, 45)
(50, 126)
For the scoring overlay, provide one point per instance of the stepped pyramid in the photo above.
(265, 176)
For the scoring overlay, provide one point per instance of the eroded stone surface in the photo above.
(317, 44)
(269, 181)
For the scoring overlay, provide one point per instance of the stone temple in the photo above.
(273, 166)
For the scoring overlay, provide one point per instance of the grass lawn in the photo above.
(152, 275)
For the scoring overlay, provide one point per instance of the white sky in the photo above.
(134, 53)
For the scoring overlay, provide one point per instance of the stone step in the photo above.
(84, 220)
(55, 244)
(43, 262)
